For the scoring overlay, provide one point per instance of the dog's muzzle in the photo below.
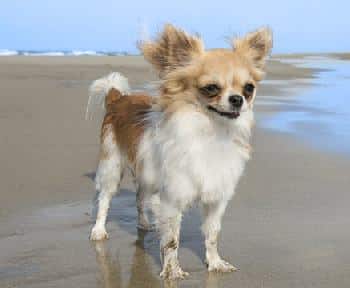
(230, 115)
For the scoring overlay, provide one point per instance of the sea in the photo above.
(319, 113)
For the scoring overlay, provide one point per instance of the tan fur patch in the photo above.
(112, 96)
(127, 115)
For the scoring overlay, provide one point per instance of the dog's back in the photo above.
(127, 116)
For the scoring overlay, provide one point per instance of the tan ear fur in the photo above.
(172, 49)
(255, 46)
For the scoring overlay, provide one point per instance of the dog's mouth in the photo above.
(230, 115)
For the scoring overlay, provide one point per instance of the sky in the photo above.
(114, 25)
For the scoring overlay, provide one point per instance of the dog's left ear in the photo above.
(255, 46)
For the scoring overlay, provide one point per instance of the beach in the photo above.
(287, 225)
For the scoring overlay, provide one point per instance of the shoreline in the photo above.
(311, 115)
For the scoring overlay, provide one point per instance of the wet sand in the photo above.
(286, 226)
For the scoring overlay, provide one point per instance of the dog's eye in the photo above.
(248, 90)
(210, 90)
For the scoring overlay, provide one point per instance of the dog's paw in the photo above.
(98, 233)
(221, 266)
(173, 273)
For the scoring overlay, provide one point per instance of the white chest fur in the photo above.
(194, 157)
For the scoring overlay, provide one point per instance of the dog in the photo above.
(188, 144)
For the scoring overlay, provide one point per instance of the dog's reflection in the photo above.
(141, 270)
(109, 269)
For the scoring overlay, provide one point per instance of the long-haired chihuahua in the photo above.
(188, 144)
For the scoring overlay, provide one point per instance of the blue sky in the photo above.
(114, 25)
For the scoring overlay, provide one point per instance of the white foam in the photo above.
(85, 53)
(49, 53)
(5, 52)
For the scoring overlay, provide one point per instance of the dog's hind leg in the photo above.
(143, 222)
(147, 207)
(108, 177)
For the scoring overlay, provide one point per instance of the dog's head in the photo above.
(221, 81)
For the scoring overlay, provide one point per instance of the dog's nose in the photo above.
(236, 100)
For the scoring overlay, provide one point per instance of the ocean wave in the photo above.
(5, 52)
(86, 53)
(48, 53)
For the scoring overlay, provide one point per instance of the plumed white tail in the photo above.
(100, 88)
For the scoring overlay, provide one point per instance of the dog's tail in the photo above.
(105, 91)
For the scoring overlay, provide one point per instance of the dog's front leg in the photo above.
(169, 226)
(211, 228)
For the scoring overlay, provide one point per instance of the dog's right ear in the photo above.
(172, 49)
(255, 46)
